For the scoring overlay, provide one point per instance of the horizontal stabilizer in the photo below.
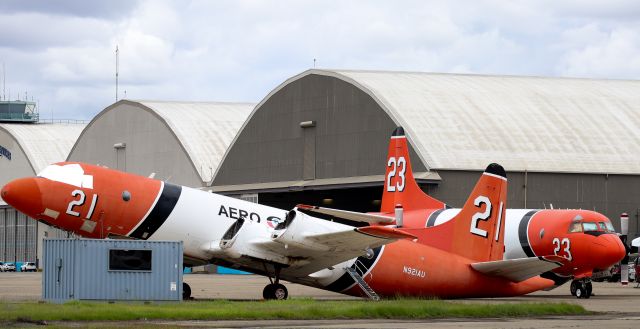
(349, 215)
(520, 269)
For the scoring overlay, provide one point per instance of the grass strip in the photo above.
(290, 310)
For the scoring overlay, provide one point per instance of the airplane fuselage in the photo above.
(97, 202)
(586, 238)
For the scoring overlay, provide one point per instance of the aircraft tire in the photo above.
(275, 291)
(589, 290)
(573, 287)
(280, 292)
(186, 291)
(581, 292)
(267, 292)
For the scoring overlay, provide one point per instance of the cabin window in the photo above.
(129, 260)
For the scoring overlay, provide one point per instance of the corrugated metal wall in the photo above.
(18, 238)
(350, 137)
(79, 269)
(610, 195)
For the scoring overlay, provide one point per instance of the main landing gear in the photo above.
(275, 290)
(581, 288)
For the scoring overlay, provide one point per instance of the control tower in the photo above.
(18, 111)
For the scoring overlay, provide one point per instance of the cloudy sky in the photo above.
(62, 53)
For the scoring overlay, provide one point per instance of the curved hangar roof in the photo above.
(44, 143)
(460, 121)
(203, 130)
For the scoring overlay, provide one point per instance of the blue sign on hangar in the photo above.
(5, 153)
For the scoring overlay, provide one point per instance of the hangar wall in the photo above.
(351, 133)
(610, 195)
(146, 145)
(16, 166)
(27, 148)
(350, 136)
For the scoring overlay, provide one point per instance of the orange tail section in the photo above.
(477, 232)
(400, 186)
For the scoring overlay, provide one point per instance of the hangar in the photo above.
(321, 138)
(26, 149)
(181, 142)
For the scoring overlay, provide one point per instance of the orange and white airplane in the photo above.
(460, 258)
(585, 238)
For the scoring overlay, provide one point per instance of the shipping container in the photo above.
(89, 269)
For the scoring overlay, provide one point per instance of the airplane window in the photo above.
(575, 227)
(590, 227)
(610, 227)
(602, 226)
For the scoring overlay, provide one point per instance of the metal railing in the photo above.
(361, 269)
(67, 121)
(19, 117)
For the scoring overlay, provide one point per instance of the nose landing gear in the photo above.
(581, 288)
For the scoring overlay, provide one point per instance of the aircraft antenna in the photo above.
(117, 66)
(4, 82)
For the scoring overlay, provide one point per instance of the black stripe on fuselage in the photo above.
(597, 233)
(557, 280)
(161, 211)
(345, 281)
(431, 221)
(522, 233)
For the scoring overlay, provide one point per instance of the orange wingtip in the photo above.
(385, 232)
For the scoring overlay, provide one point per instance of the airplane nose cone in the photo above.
(607, 250)
(24, 195)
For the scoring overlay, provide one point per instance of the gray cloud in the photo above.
(80, 8)
(239, 50)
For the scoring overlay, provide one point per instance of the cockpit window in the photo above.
(602, 226)
(575, 227)
(590, 227)
(610, 227)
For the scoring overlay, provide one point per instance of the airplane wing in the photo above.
(349, 215)
(303, 244)
(319, 250)
(349, 242)
(519, 269)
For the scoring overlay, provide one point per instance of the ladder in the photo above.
(363, 285)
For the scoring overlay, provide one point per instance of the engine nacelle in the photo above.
(299, 229)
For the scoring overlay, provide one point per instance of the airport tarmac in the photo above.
(619, 306)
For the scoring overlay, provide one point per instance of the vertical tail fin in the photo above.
(477, 232)
(400, 186)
